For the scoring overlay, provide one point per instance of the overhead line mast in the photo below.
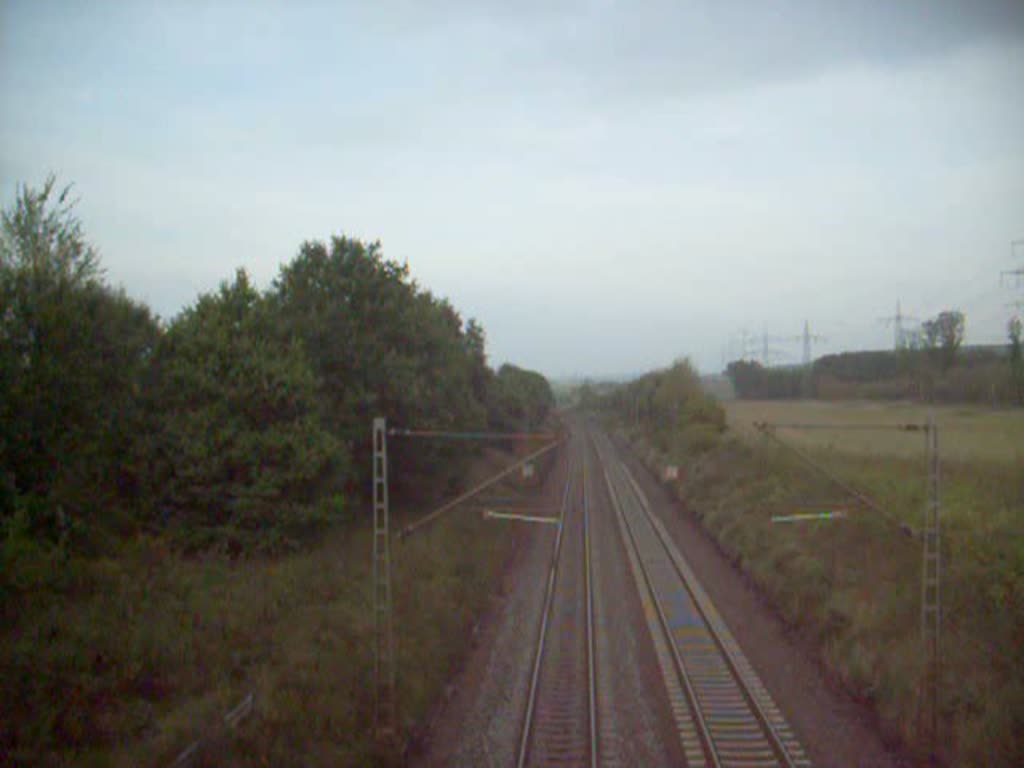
(384, 662)
(1018, 273)
(899, 331)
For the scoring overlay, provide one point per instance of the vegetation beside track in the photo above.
(178, 500)
(141, 652)
(971, 434)
(853, 585)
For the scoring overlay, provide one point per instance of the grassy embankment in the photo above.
(128, 659)
(854, 584)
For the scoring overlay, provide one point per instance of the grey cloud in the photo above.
(666, 50)
(673, 50)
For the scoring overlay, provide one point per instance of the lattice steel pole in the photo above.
(931, 606)
(384, 649)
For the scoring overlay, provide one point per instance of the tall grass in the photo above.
(128, 659)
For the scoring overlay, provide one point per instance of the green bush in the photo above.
(519, 400)
(236, 424)
(240, 455)
(670, 406)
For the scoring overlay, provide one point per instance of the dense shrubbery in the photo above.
(520, 399)
(242, 423)
(238, 450)
(671, 407)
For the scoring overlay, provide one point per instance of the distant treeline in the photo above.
(243, 422)
(976, 374)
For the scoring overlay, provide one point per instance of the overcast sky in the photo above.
(605, 186)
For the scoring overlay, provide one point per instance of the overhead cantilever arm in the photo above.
(454, 435)
(428, 518)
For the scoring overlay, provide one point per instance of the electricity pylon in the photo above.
(1017, 274)
(807, 338)
(899, 332)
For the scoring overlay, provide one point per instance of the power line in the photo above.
(807, 339)
(899, 333)
(760, 346)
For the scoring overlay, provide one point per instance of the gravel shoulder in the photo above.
(479, 721)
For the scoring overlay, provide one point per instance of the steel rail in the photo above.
(591, 655)
(531, 700)
(633, 545)
(555, 577)
(701, 602)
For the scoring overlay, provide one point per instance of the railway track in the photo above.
(560, 723)
(722, 711)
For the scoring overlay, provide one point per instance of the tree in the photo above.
(381, 346)
(476, 343)
(241, 457)
(944, 335)
(746, 377)
(673, 408)
(520, 399)
(238, 422)
(751, 380)
(72, 355)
